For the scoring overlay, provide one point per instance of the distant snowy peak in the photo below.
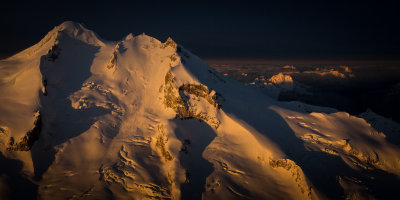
(282, 80)
(274, 85)
(331, 72)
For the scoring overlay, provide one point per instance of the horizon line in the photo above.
(290, 61)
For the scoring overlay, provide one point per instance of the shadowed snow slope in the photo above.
(142, 119)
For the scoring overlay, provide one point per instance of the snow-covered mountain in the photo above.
(86, 118)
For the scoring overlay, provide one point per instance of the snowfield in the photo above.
(86, 118)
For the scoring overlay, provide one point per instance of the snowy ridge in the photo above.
(144, 119)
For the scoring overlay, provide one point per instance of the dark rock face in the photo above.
(178, 98)
(26, 143)
(53, 53)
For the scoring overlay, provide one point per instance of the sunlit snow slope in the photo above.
(86, 118)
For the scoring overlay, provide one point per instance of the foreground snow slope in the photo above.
(142, 119)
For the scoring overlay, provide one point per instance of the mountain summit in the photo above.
(87, 118)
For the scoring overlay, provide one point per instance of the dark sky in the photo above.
(230, 29)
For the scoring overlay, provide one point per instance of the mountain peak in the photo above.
(170, 43)
(78, 31)
(70, 25)
(129, 36)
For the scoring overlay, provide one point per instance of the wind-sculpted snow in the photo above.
(362, 146)
(142, 119)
